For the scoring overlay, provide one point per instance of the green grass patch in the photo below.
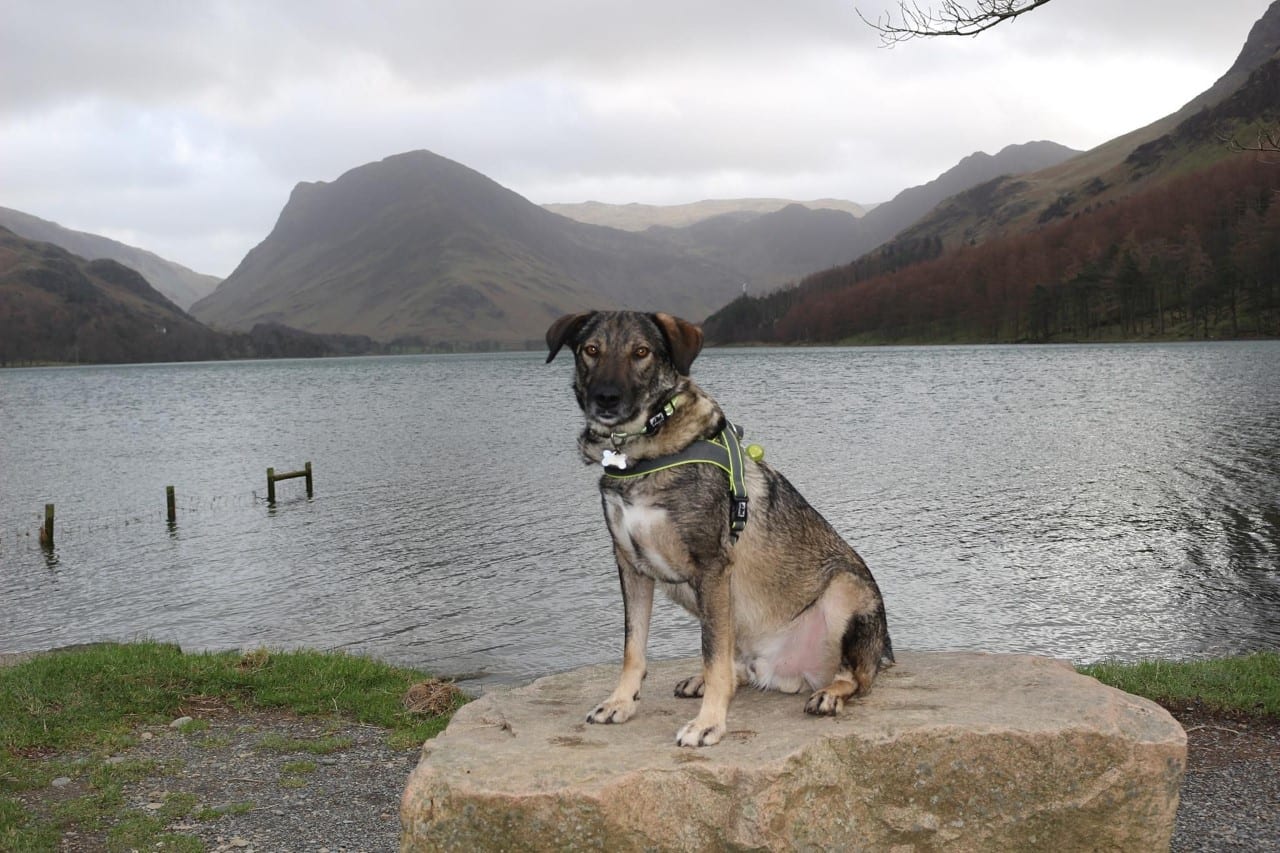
(58, 707)
(137, 831)
(1246, 684)
(191, 727)
(209, 813)
(315, 746)
(19, 831)
(299, 768)
(94, 696)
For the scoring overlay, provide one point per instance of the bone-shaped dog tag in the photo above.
(614, 460)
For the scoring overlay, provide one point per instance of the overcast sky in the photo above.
(182, 125)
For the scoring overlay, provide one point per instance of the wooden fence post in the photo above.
(272, 476)
(171, 504)
(46, 532)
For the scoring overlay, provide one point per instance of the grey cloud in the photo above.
(188, 123)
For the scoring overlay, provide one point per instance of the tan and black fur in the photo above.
(789, 605)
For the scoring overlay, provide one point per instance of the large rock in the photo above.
(950, 751)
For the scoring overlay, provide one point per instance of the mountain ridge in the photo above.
(183, 286)
(59, 308)
(636, 216)
(418, 247)
(421, 250)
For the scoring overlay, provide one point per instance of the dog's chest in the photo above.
(648, 536)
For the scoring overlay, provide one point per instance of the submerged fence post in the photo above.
(272, 477)
(171, 504)
(46, 532)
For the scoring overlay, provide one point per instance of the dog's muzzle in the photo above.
(605, 404)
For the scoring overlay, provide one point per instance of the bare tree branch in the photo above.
(1267, 142)
(948, 18)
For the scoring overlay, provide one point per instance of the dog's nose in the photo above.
(606, 398)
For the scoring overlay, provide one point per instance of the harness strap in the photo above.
(724, 451)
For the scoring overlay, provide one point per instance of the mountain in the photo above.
(424, 252)
(771, 249)
(1245, 99)
(418, 248)
(908, 206)
(638, 217)
(181, 285)
(782, 247)
(1166, 231)
(56, 307)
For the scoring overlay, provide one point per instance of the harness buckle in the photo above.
(660, 417)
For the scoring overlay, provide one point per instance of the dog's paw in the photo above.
(698, 732)
(690, 688)
(824, 703)
(613, 711)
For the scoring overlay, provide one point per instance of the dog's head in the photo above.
(626, 362)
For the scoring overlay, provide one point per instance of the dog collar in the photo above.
(650, 427)
(725, 451)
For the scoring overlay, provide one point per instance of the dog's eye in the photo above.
(591, 350)
(641, 352)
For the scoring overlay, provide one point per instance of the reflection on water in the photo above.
(1083, 502)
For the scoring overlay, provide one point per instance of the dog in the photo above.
(783, 601)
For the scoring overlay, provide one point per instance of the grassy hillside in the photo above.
(1195, 257)
(180, 285)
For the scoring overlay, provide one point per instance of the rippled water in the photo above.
(1078, 501)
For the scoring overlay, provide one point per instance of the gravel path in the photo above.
(1231, 794)
(260, 785)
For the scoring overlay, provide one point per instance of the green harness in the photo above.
(725, 451)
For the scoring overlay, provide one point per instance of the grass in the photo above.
(63, 713)
(95, 696)
(209, 813)
(1249, 685)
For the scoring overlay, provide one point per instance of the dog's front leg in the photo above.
(716, 612)
(637, 601)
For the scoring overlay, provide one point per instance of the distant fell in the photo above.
(419, 251)
(180, 284)
(908, 206)
(57, 307)
(422, 250)
(773, 249)
(638, 217)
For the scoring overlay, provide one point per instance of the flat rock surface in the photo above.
(964, 750)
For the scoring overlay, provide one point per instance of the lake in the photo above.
(1085, 502)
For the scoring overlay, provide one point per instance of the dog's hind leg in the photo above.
(693, 686)
(715, 608)
(864, 644)
(637, 599)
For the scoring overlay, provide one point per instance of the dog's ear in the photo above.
(563, 330)
(683, 338)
